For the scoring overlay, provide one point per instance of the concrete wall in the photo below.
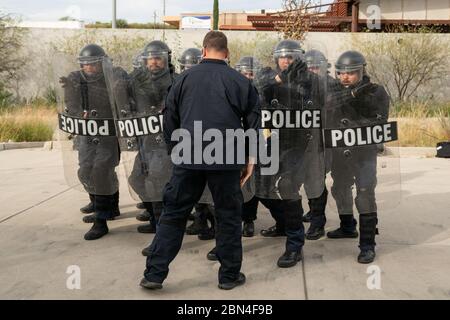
(40, 49)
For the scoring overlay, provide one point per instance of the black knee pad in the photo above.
(365, 200)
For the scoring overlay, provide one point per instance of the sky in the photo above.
(131, 10)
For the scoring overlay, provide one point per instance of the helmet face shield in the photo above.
(248, 66)
(89, 60)
(350, 68)
(91, 67)
(349, 75)
(288, 53)
(155, 61)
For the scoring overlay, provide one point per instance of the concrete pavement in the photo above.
(41, 235)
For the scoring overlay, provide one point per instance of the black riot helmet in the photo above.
(248, 66)
(91, 62)
(288, 48)
(315, 59)
(157, 49)
(351, 61)
(190, 58)
(91, 54)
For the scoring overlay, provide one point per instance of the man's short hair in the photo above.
(216, 40)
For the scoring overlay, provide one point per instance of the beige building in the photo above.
(408, 9)
(340, 16)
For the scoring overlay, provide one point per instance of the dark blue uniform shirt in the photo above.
(219, 97)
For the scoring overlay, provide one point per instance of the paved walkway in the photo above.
(41, 236)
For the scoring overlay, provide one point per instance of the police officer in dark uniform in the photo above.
(148, 88)
(203, 211)
(277, 90)
(292, 87)
(318, 64)
(247, 66)
(86, 96)
(222, 99)
(356, 101)
(189, 58)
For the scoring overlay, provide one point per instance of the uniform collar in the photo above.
(217, 61)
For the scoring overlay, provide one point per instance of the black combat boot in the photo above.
(367, 230)
(273, 231)
(140, 205)
(98, 230)
(148, 227)
(150, 285)
(317, 216)
(199, 224)
(146, 251)
(315, 232)
(240, 280)
(89, 208)
(307, 217)
(248, 230)
(143, 216)
(91, 218)
(346, 230)
(289, 259)
(210, 232)
(212, 255)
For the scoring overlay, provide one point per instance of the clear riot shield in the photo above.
(86, 127)
(292, 99)
(137, 101)
(362, 144)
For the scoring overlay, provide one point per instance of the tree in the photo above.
(67, 18)
(11, 60)
(405, 62)
(216, 15)
(122, 23)
(296, 18)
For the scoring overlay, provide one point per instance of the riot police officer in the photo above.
(189, 58)
(289, 86)
(86, 96)
(318, 64)
(356, 101)
(148, 87)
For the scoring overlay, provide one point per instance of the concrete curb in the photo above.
(417, 152)
(21, 145)
(50, 145)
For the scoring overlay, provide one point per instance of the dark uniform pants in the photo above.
(183, 191)
(359, 170)
(317, 207)
(288, 217)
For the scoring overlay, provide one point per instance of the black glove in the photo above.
(266, 76)
(366, 88)
(142, 76)
(296, 72)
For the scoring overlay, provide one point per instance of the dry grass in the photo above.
(422, 124)
(27, 123)
(422, 132)
(419, 125)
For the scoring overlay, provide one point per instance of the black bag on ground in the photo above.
(443, 149)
